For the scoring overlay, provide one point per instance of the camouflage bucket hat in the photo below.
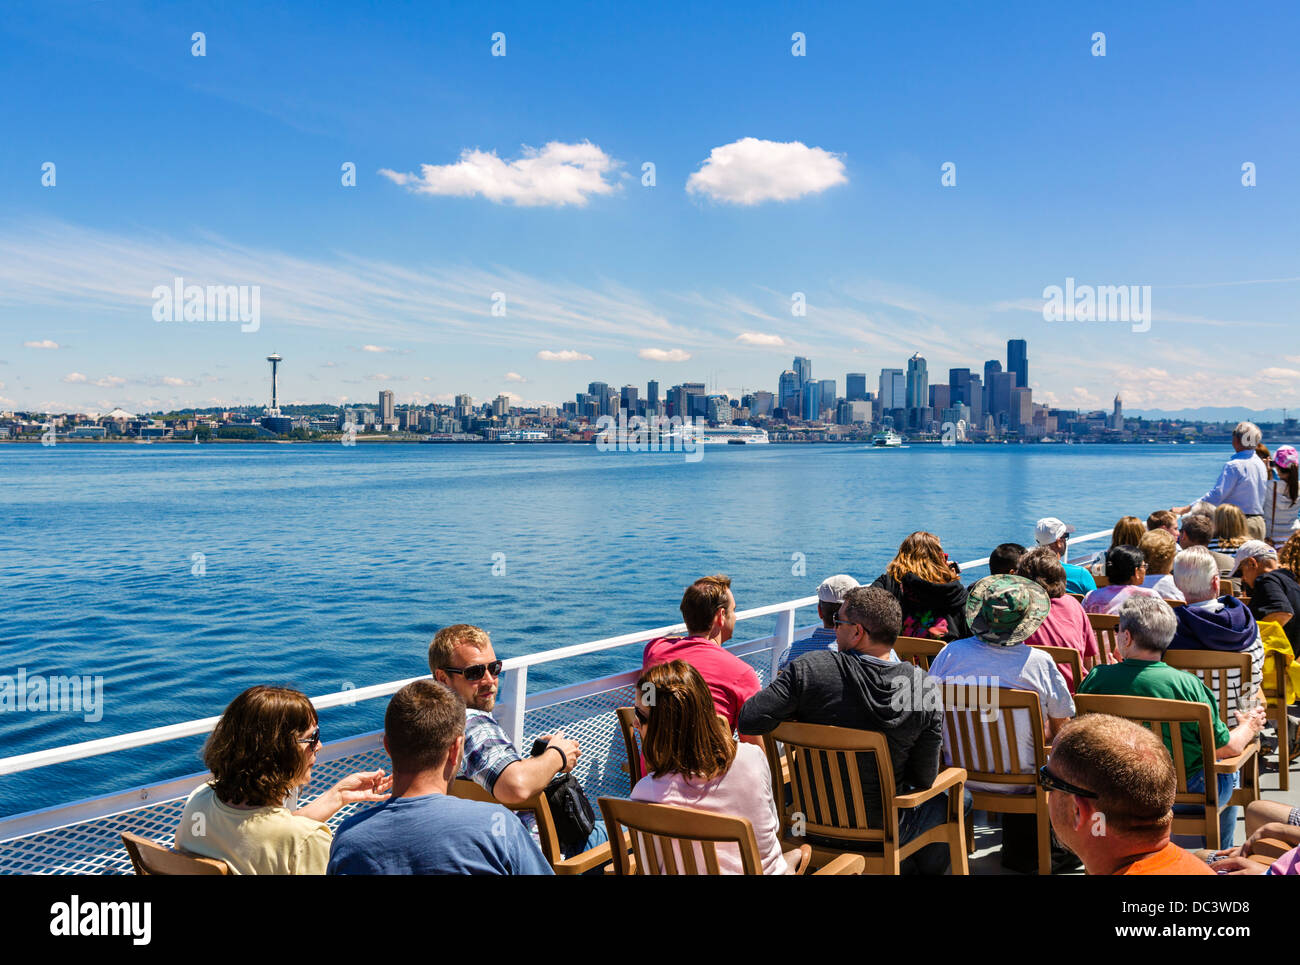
(1006, 609)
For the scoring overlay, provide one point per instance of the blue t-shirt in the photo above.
(1077, 579)
(435, 834)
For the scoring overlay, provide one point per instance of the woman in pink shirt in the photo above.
(693, 761)
(1067, 623)
(1126, 568)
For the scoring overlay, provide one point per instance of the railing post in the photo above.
(511, 697)
(784, 637)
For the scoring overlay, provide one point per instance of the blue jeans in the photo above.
(598, 836)
(1227, 817)
(933, 859)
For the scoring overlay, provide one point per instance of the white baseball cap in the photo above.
(1252, 549)
(1049, 530)
(834, 587)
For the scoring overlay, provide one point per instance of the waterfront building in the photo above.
(1018, 361)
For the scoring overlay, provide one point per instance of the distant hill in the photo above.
(1213, 414)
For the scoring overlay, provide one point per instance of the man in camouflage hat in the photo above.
(1003, 611)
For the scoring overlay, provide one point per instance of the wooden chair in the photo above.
(664, 840)
(1067, 657)
(1276, 697)
(1100, 580)
(1078, 596)
(151, 858)
(918, 650)
(1176, 603)
(827, 798)
(1214, 669)
(1170, 720)
(547, 836)
(987, 749)
(627, 724)
(1105, 627)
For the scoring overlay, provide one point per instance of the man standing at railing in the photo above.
(1243, 482)
(462, 658)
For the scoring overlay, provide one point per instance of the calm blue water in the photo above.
(328, 565)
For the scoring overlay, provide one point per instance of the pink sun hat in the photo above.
(1285, 457)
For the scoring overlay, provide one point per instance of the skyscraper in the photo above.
(275, 361)
(812, 397)
(975, 392)
(940, 397)
(918, 389)
(802, 368)
(991, 368)
(827, 394)
(891, 389)
(1018, 361)
(959, 383)
(788, 392)
(855, 387)
(629, 399)
(385, 405)
(652, 393)
(1002, 395)
(1117, 417)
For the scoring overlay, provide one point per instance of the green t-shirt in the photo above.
(1155, 678)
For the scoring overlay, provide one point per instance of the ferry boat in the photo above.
(736, 436)
(887, 439)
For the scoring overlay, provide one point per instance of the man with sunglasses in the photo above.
(462, 658)
(1050, 531)
(1111, 787)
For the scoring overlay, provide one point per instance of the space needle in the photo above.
(275, 360)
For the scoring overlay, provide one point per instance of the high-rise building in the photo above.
(652, 393)
(789, 392)
(1018, 361)
(940, 396)
(1001, 395)
(991, 368)
(812, 397)
(1117, 416)
(918, 394)
(275, 361)
(501, 406)
(975, 399)
(677, 402)
(385, 405)
(855, 387)
(1022, 406)
(891, 392)
(959, 383)
(762, 404)
(628, 399)
(802, 368)
(827, 395)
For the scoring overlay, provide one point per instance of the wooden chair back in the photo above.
(1226, 675)
(1105, 627)
(1100, 579)
(918, 650)
(1175, 603)
(151, 858)
(1078, 596)
(1066, 657)
(631, 744)
(1277, 707)
(668, 840)
(980, 725)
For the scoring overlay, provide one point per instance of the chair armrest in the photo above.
(580, 864)
(845, 864)
(947, 778)
(1268, 850)
(1230, 765)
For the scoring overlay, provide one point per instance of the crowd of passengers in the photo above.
(1176, 582)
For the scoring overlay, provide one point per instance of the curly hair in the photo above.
(254, 754)
(684, 734)
(1288, 555)
(921, 555)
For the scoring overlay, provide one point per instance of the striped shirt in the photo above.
(488, 752)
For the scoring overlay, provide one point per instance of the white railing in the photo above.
(512, 700)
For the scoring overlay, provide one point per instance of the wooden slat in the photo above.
(855, 786)
(711, 858)
(1013, 746)
(819, 783)
(670, 858)
(837, 787)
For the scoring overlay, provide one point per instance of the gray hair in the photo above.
(1150, 621)
(1194, 571)
(1248, 434)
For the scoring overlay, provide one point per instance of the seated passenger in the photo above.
(1146, 627)
(1127, 531)
(928, 587)
(1126, 569)
(260, 753)
(1066, 624)
(858, 686)
(1110, 795)
(1005, 558)
(1051, 532)
(1158, 549)
(693, 761)
(829, 597)
(1198, 530)
(421, 829)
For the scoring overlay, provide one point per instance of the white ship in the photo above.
(889, 438)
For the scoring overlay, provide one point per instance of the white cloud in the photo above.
(74, 377)
(564, 355)
(750, 171)
(110, 381)
(664, 355)
(371, 348)
(515, 377)
(1279, 375)
(43, 343)
(174, 381)
(558, 174)
(759, 338)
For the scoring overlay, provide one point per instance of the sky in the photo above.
(502, 234)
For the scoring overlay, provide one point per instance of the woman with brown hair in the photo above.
(1128, 531)
(1229, 528)
(1282, 502)
(260, 753)
(693, 761)
(928, 587)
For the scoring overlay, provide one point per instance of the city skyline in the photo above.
(772, 229)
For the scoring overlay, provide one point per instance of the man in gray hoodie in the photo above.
(859, 687)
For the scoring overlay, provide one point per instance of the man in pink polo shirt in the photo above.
(709, 610)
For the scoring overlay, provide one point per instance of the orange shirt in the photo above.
(1171, 860)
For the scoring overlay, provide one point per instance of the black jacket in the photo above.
(924, 603)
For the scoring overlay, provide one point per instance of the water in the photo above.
(327, 566)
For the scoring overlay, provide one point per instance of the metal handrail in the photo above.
(511, 698)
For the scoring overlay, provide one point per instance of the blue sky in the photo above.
(225, 169)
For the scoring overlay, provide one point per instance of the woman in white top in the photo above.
(693, 761)
(1282, 502)
(260, 753)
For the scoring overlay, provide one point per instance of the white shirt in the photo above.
(1280, 513)
(1243, 483)
(1164, 585)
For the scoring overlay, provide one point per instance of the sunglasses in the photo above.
(476, 672)
(846, 623)
(1051, 782)
(312, 739)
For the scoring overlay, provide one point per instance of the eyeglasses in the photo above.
(312, 739)
(477, 670)
(1051, 782)
(847, 623)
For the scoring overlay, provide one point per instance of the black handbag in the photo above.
(570, 810)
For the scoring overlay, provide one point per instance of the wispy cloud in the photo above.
(760, 338)
(751, 171)
(556, 175)
(664, 355)
(43, 343)
(564, 355)
(515, 377)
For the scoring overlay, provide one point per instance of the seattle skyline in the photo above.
(480, 176)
